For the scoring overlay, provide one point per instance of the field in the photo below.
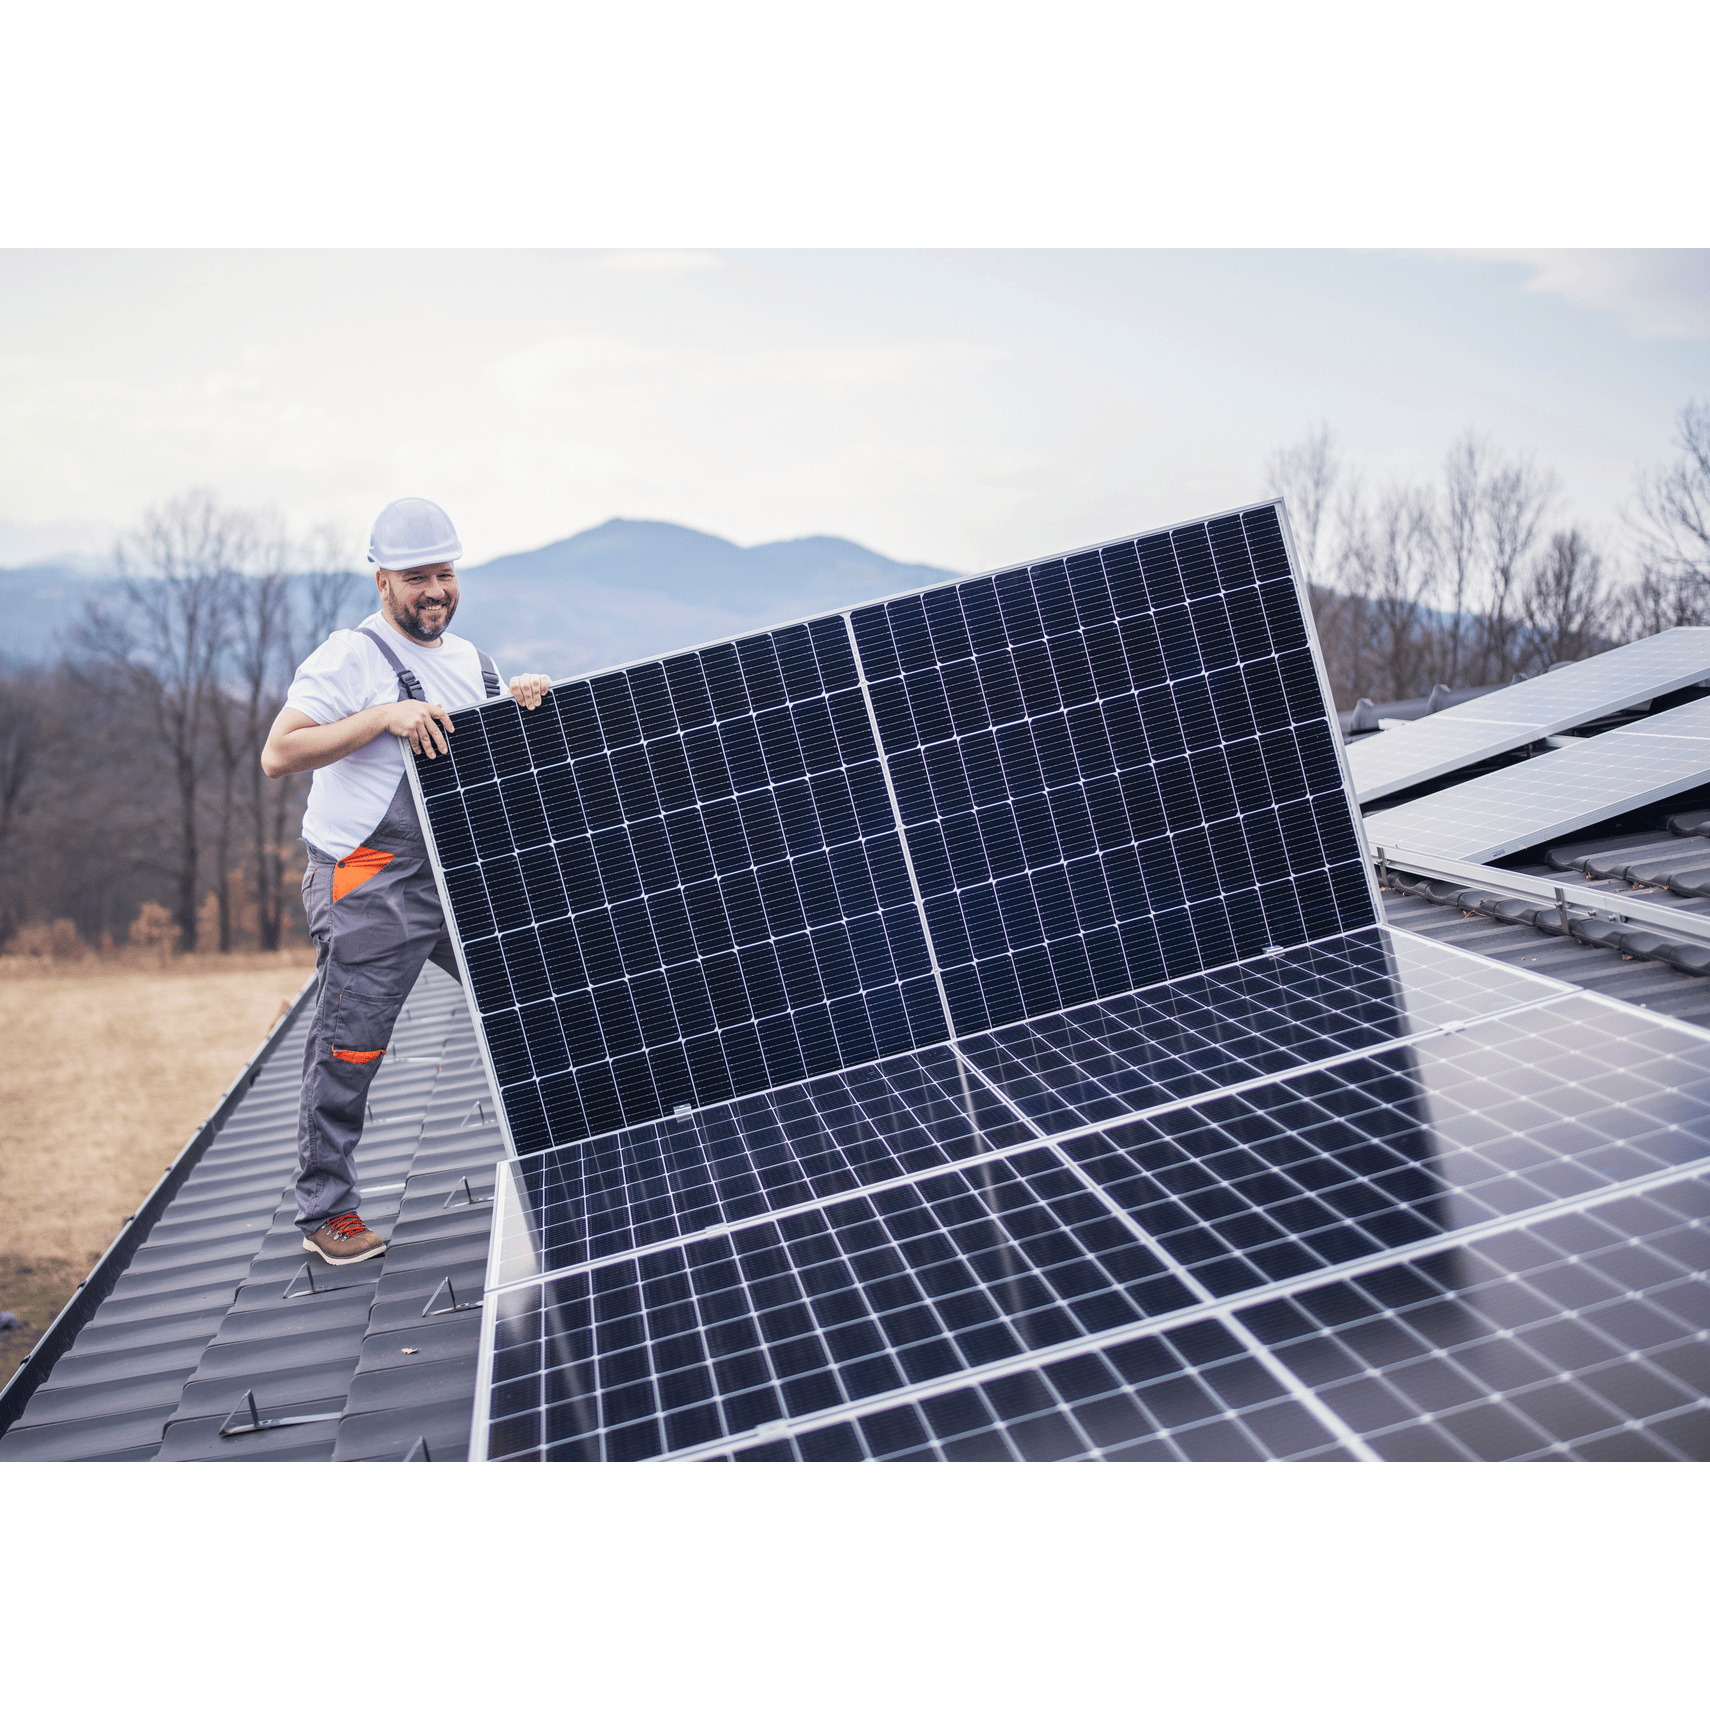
(107, 1069)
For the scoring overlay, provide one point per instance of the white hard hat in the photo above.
(410, 533)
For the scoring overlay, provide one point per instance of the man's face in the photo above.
(420, 602)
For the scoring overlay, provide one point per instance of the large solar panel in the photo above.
(1555, 793)
(706, 875)
(903, 1018)
(1523, 713)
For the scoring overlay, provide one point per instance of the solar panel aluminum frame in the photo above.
(1340, 745)
(845, 612)
(1577, 898)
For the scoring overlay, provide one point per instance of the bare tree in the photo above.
(1670, 520)
(262, 658)
(162, 641)
(1305, 475)
(1564, 604)
(1674, 504)
(1463, 503)
(1657, 601)
(20, 750)
(1389, 564)
(270, 633)
(1514, 501)
(21, 745)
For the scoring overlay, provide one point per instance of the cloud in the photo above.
(1654, 293)
(658, 261)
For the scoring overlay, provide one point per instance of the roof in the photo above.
(211, 1304)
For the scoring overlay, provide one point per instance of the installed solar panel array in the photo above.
(1523, 713)
(1552, 794)
(892, 1011)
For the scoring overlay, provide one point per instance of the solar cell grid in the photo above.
(817, 1309)
(1235, 1024)
(1113, 768)
(1192, 1394)
(1233, 1195)
(1508, 1116)
(758, 1155)
(680, 883)
(1584, 1337)
(920, 1110)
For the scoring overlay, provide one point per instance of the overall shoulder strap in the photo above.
(409, 685)
(489, 675)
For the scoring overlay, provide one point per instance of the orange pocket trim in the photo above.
(359, 1056)
(360, 865)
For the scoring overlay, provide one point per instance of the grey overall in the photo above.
(375, 918)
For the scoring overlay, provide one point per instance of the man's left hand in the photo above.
(527, 691)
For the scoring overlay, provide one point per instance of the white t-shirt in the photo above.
(347, 674)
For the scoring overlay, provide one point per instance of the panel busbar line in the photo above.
(1523, 713)
(685, 881)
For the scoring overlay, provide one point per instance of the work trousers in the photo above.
(375, 918)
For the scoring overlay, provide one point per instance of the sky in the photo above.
(960, 408)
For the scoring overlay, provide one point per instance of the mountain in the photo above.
(629, 589)
(41, 604)
(622, 591)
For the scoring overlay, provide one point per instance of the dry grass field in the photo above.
(106, 1069)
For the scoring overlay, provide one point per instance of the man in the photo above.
(369, 894)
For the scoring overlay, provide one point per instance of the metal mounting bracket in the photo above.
(306, 1274)
(470, 1197)
(246, 1417)
(434, 1310)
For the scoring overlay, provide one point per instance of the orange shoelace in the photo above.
(346, 1225)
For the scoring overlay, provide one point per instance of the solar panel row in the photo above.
(937, 1029)
(1581, 1337)
(790, 1145)
(1231, 1195)
(1552, 794)
(1523, 713)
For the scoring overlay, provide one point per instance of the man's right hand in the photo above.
(297, 744)
(419, 722)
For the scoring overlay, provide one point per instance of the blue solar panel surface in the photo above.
(707, 875)
(936, 1030)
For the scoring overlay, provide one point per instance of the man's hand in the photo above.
(419, 721)
(527, 691)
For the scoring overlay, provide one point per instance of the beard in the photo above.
(410, 618)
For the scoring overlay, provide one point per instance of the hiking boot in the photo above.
(344, 1240)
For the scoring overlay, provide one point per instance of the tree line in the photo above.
(1477, 577)
(133, 807)
(132, 801)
